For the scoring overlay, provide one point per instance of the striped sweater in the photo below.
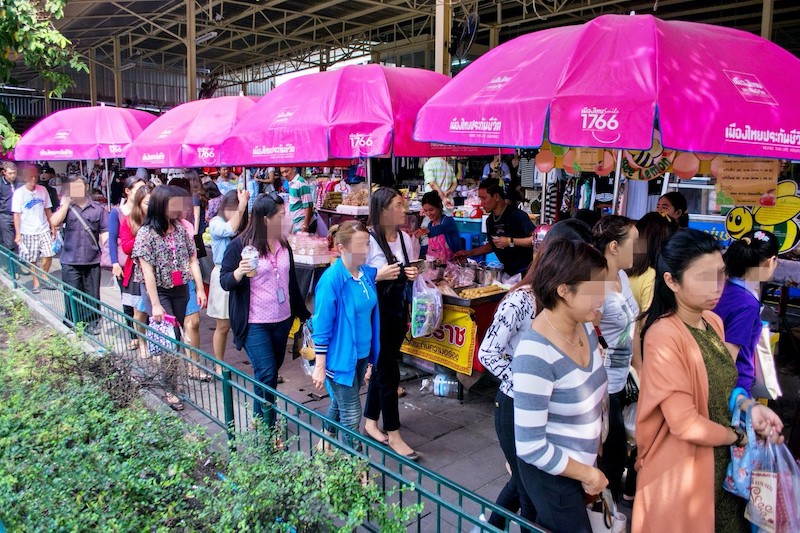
(557, 403)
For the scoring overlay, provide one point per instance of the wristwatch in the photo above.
(511, 242)
(739, 436)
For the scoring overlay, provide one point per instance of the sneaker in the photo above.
(94, 331)
(479, 529)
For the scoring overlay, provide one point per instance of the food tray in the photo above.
(315, 260)
(465, 302)
(352, 209)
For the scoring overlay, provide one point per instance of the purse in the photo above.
(632, 387)
(744, 459)
(158, 342)
(604, 517)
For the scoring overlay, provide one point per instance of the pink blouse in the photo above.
(269, 289)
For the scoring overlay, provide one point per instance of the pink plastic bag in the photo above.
(774, 504)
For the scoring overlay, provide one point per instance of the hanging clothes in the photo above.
(526, 171)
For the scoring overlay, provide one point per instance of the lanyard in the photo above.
(274, 262)
(170, 240)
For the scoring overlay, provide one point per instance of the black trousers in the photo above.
(513, 496)
(85, 278)
(560, 507)
(7, 231)
(382, 391)
(615, 448)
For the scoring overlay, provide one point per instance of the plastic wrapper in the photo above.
(457, 276)
(426, 309)
(629, 416)
(774, 504)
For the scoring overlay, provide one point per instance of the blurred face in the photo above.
(627, 248)
(702, 283)
(10, 174)
(488, 202)
(30, 177)
(229, 213)
(286, 173)
(665, 206)
(276, 223)
(77, 189)
(177, 207)
(223, 172)
(395, 214)
(584, 301)
(356, 252)
(431, 212)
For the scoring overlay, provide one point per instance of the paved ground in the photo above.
(456, 440)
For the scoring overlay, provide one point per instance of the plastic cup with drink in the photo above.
(251, 254)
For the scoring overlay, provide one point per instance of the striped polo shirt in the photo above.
(557, 403)
(299, 200)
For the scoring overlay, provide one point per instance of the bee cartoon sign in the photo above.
(778, 216)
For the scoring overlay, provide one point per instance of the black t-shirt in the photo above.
(515, 224)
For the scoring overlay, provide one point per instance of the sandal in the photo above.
(174, 402)
(401, 392)
(133, 345)
(199, 375)
(36, 290)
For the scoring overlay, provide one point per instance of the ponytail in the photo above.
(677, 255)
(749, 252)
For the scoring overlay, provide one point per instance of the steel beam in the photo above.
(191, 52)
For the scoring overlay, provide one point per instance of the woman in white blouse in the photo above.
(511, 319)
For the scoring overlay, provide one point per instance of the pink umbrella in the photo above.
(356, 111)
(608, 82)
(98, 132)
(189, 135)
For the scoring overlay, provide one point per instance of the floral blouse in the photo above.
(511, 320)
(165, 254)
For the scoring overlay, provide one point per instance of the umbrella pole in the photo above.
(368, 163)
(108, 187)
(617, 174)
(665, 186)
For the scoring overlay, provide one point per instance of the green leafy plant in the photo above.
(79, 451)
(27, 36)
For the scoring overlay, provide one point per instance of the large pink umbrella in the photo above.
(608, 82)
(98, 132)
(189, 135)
(356, 111)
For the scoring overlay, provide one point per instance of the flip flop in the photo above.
(174, 402)
(401, 391)
(36, 290)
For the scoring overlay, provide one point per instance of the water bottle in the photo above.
(442, 385)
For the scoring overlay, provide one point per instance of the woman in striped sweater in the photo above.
(560, 384)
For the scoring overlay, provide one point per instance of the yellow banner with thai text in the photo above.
(452, 345)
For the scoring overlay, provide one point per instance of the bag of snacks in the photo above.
(426, 308)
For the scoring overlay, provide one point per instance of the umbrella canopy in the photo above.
(98, 132)
(356, 111)
(608, 83)
(188, 135)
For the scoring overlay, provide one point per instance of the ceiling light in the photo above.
(205, 38)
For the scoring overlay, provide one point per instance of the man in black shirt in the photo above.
(47, 173)
(510, 230)
(8, 184)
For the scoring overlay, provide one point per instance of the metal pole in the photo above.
(227, 402)
(766, 20)
(117, 73)
(443, 14)
(665, 185)
(93, 76)
(108, 187)
(617, 174)
(368, 163)
(191, 51)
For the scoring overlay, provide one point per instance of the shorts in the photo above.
(192, 307)
(34, 247)
(218, 298)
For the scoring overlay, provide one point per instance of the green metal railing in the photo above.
(227, 400)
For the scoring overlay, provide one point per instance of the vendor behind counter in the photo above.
(510, 230)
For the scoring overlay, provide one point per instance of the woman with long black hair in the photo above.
(391, 252)
(264, 294)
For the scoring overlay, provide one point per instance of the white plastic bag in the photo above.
(766, 384)
(426, 308)
(774, 504)
(629, 416)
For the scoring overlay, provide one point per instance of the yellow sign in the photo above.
(749, 181)
(588, 159)
(452, 345)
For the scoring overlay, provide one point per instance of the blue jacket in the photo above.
(334, 330)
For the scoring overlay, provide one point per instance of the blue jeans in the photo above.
(345, 406)
(265, 345)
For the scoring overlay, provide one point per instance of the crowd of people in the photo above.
(602, 316)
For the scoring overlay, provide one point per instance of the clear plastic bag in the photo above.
(774, 504)
(426, 308)
(629, 416)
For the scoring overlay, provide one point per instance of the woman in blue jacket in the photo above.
(444, 239)
(346, 327)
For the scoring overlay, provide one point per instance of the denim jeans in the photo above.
(560, 507)
(345, 406)
(513, 496)
(265, 345)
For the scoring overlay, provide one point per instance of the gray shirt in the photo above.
(79, 247)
